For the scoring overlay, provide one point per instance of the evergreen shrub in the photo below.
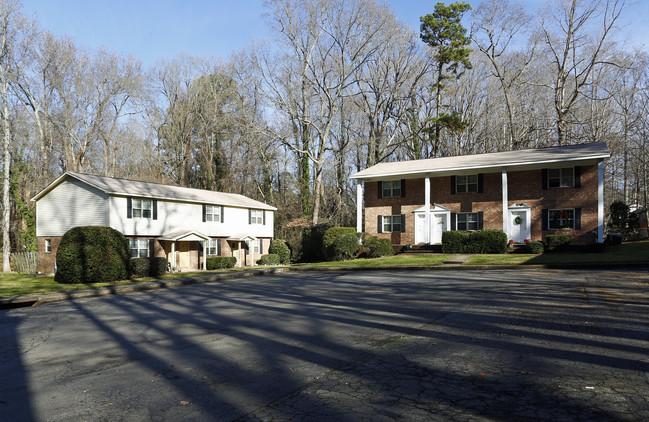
(534, 247)
(92, 254)
(340, 243)
(373, 247)
(555, 241)
(270, 259)
(218, 262)
(280, 248)
(312, 247)
(477, 242)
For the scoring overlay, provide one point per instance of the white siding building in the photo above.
(184, 225)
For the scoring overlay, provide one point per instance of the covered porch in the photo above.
(183, 249)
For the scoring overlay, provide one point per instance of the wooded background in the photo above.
(340, 86)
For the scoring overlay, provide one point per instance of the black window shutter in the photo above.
(218, 247)
(249, 216)
(379, 224)
(544, 178)
(403, 188)
(480, 182)
(380, 187)
(453, 221)
(453, 186)
(577, 218)
(129, 208)
(577, 176)
(480, 220)
(264, 214)
(204, 213)
(403, 223)
(544, 216)
(222, 209)
(155, 209)
(151, 248)
(261, 246)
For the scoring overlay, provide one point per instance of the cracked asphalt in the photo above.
(380, 345)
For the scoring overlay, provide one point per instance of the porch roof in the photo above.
(184, 235)
(492, 162)
(241, 237)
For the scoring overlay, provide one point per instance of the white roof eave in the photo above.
(479, 167)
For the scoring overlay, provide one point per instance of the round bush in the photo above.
(92, 254)
(373, 247)
(280, 248)
(535, 247)
(340, 243)
(270, 259)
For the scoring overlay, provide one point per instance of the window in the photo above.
(212, 247)
(561, 178)
(139, 247)
(466, 184)
(468, 221)
(256, 216)
(142, 208)
(561, 219)
(392, 223)
(391, 188)
(212, 213)
(254, 246)
(48, 245)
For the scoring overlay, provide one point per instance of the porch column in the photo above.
(600, 202)
(173, 255)
(359, 207)
(427, 209)
(505, 202)
(204, 255)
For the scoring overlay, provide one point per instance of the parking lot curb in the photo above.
(33, 300)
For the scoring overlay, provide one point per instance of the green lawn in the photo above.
(627, 252)
(13, 284)
(386, 261)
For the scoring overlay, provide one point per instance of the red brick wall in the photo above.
(523, 187)
(46, 259)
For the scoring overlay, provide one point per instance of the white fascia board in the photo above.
(490, 166)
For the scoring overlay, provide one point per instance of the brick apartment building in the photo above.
(527, 193)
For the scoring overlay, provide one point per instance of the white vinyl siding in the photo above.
(71, 204)
(174, 216)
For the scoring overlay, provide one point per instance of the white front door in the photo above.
(519, 226)
(438, 227)
(420, 228)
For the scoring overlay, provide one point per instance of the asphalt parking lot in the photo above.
(388, 345)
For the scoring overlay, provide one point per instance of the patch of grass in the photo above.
(385, 261)
(627, 252)
(15, 284)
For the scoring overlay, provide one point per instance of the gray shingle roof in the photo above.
(494, 161)
(125, 187)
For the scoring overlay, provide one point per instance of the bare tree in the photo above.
(576, 34)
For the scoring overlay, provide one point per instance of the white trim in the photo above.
(600, 202)
(505, 201)
(359, 207)
(450, 170)
(427, 239)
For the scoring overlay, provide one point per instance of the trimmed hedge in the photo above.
(92, 254)
(148, 267)
(312, 248)
(340, 243)
(556, 240)
(534, 247)
(270, 259)
(218, 262)
(280, 248)
(373, 247)
(477, 242)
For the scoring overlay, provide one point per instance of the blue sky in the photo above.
(153, 29)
